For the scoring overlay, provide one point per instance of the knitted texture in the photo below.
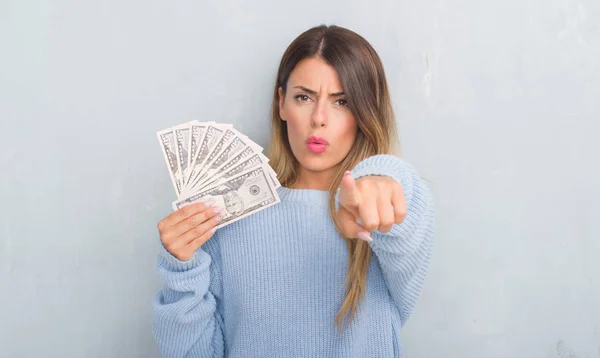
(270, 285)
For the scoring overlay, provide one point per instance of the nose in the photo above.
(319, 116)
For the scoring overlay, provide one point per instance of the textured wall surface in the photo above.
(498, 108)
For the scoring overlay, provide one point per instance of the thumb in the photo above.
(349, 196)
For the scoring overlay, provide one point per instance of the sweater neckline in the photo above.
(312, 196)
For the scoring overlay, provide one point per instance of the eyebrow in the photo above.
(336, 94)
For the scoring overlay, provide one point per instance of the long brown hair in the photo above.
(364, 83)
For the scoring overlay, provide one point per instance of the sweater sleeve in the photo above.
(405, 251)
(186, 318)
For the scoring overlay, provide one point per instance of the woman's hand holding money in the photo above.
(375, 201)
(185, 230)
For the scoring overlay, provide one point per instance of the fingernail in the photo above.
(217, 209)
(364, 236)
(209, 202)
(218, 218)
(347, 172)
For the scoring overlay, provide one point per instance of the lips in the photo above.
(316, 144)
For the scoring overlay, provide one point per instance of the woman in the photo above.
(334, 270)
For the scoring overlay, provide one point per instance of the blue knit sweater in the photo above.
(270, 285)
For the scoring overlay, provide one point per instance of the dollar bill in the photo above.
(237, 144)
(182, 146)
(239, 196)
(244, 154)
(227, 137)
(197, 132)
(213, 133)
(249, 163)
(166, 139)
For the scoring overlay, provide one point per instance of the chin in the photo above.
(316, 164)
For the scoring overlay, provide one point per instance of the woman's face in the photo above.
(320, 126)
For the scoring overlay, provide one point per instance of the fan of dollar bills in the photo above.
(209, 160)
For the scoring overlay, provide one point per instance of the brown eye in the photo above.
(342, 102)
(302, 98)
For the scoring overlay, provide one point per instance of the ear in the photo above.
(281, 97)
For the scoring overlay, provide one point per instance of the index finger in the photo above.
(185, 212)
(349, 197)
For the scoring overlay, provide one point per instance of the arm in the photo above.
(186, 322)
(404, 252)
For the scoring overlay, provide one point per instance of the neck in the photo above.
(317, 180)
